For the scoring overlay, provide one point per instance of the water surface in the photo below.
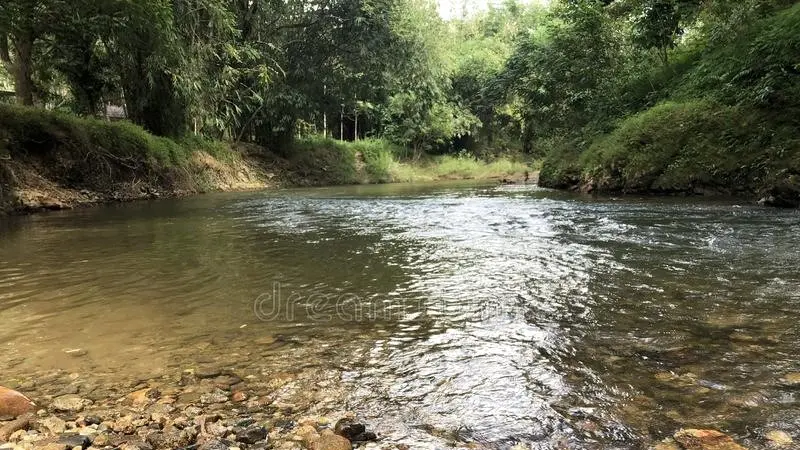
(456, 313)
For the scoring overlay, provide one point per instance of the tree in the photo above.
(22, 23)
(660, 24)
(564, 72)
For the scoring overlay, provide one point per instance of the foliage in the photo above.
(707, 145)
(596, 85)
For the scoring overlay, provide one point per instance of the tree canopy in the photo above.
(265, 72)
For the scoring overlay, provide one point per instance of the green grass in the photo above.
(682, 146)
(458, 168)
(120, 157)
(31, 131)
(86, 153)
(325, 161)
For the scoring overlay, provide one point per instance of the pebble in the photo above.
(213, 444)
(207, 372)
(13, 403)
(74, 440)
(93, 420)
(693, 439)
(306, 433)
(101, 440)
(135, 445)
(330, 441)
(124, 425)
(214, 397)
(70, 403)
(778, 438)
(791, 379)
(53, 424)
(251, 435)
(349, 429)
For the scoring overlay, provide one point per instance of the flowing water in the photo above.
(455, 313)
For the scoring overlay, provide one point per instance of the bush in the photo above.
(680, 146)
(760, 67)
(97, 154)
(727, 120)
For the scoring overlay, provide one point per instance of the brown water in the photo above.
(455, 313)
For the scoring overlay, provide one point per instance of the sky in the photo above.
(450, 9)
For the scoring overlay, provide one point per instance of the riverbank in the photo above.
(218, 406)
(718, 119)
(51, 161)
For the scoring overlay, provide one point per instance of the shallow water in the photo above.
(455, 313)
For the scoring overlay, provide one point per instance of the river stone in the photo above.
(692, 439)
(173, 438)
(50, 446)
(207, 372)
(349, 429)
(9, 428)
(667, 444)
(74, 440)
(53, 424)
(778, 438)
(213, 444)
(14, 404)
(144, 396)
(226, 381)
(135, 445)
(217, 396)
(70, 403)
(307, 434)
(124, 425)
(251, 435)
(76, 352)
(791, 379)
(368, 436)
(330, 441)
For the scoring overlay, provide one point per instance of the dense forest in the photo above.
(623, 95)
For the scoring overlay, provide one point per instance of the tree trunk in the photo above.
(23, 70)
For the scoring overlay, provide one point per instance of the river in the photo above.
(450, 313)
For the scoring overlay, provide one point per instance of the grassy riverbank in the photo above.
(52, 160)
(721, 119)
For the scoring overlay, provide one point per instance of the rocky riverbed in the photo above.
(203, 408)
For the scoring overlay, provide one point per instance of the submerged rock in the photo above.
(213, 444)
(791, 379)
(135, 445)
(353, 431)
(144, 396)
(70, 403)
(251, 435)
(778, 439)
(207, 372)
(13, 403)
(53, 424)
(692, 439)
(349, 429)
(328, 440)
(74, 440)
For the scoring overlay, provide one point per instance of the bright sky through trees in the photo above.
(455, 9)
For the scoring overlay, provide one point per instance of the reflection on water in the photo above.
(491, 315)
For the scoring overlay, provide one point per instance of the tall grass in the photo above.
(327, 161)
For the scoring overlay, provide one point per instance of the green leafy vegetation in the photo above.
(667, 96)
(719, 114)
